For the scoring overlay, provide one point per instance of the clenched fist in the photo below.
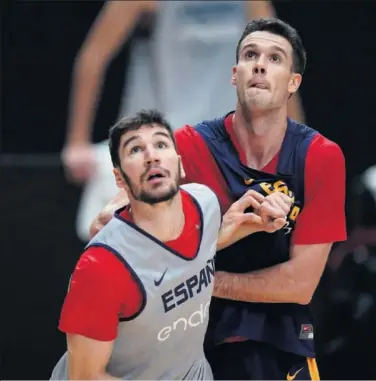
(273, 211)
(269, 215)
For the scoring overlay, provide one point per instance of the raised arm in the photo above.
(106, 36)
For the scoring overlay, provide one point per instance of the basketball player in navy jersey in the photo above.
(144, 284)
(260, 325)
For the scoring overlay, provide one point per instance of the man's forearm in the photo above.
(276, 284)
(87, 376)
(87, 84)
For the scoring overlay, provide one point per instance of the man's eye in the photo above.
(135, 149)
(161, 145)
(275, 58)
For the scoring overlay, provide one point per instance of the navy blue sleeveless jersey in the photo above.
(279, 324)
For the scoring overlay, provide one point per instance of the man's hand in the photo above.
(79, 162)
(273, 211)
(269, 215)
(120, 200)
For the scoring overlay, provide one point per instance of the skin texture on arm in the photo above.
(109, 31)
(88, 358)
(264, 9)
(105, 38)
(120, 200)
(294, 281)
(259, 9)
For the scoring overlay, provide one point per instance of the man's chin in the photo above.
(157, 197)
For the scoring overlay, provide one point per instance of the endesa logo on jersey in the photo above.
(195, 319)
(181, 294)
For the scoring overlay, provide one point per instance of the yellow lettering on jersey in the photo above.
(294, 213)
(280, 186)
(266, 188)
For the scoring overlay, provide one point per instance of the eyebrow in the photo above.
(134, 137)
(166, 135)
(126, 142)
(274, 47)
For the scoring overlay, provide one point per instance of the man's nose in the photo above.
(260, 66)
(152, 156)
(259, 70)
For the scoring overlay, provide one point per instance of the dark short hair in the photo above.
(133, 123)
(280, 28)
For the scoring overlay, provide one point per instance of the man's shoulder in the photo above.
(186, 131)
(317, 139)
(195, 189)
(98, 263)
(322, 149)
(205, 199)
(192, 132)
(190, 145)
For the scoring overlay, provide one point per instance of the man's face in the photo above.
(150, 165)
(264, 76)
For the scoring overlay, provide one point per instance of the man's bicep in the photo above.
(322, 219)
(87, 358)
(312, 256)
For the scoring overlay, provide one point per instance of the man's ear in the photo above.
(182, 172)
(294, 83)
(233, 77)
(118, 178)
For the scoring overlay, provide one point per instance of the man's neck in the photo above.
(164, 221)
(260, 135)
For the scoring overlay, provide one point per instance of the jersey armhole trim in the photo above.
(134, 275)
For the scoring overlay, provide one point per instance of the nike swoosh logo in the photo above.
(248, 181)
(159, 281)
(290, 378)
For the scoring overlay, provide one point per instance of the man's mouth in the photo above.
(260, 86)
(154, 175)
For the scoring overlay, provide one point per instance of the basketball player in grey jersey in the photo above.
(163, 339)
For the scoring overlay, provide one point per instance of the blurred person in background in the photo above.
(181, 69)
(261, 325)
(138, 301)
(349, 308)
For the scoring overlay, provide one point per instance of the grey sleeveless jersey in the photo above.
(185, 69)
(165, 339)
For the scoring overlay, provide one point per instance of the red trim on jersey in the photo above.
(102, 289)
(322, 219)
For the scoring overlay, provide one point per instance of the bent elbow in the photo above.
(305, 296)
(304, 300)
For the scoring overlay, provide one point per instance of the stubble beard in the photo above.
(148, 196)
